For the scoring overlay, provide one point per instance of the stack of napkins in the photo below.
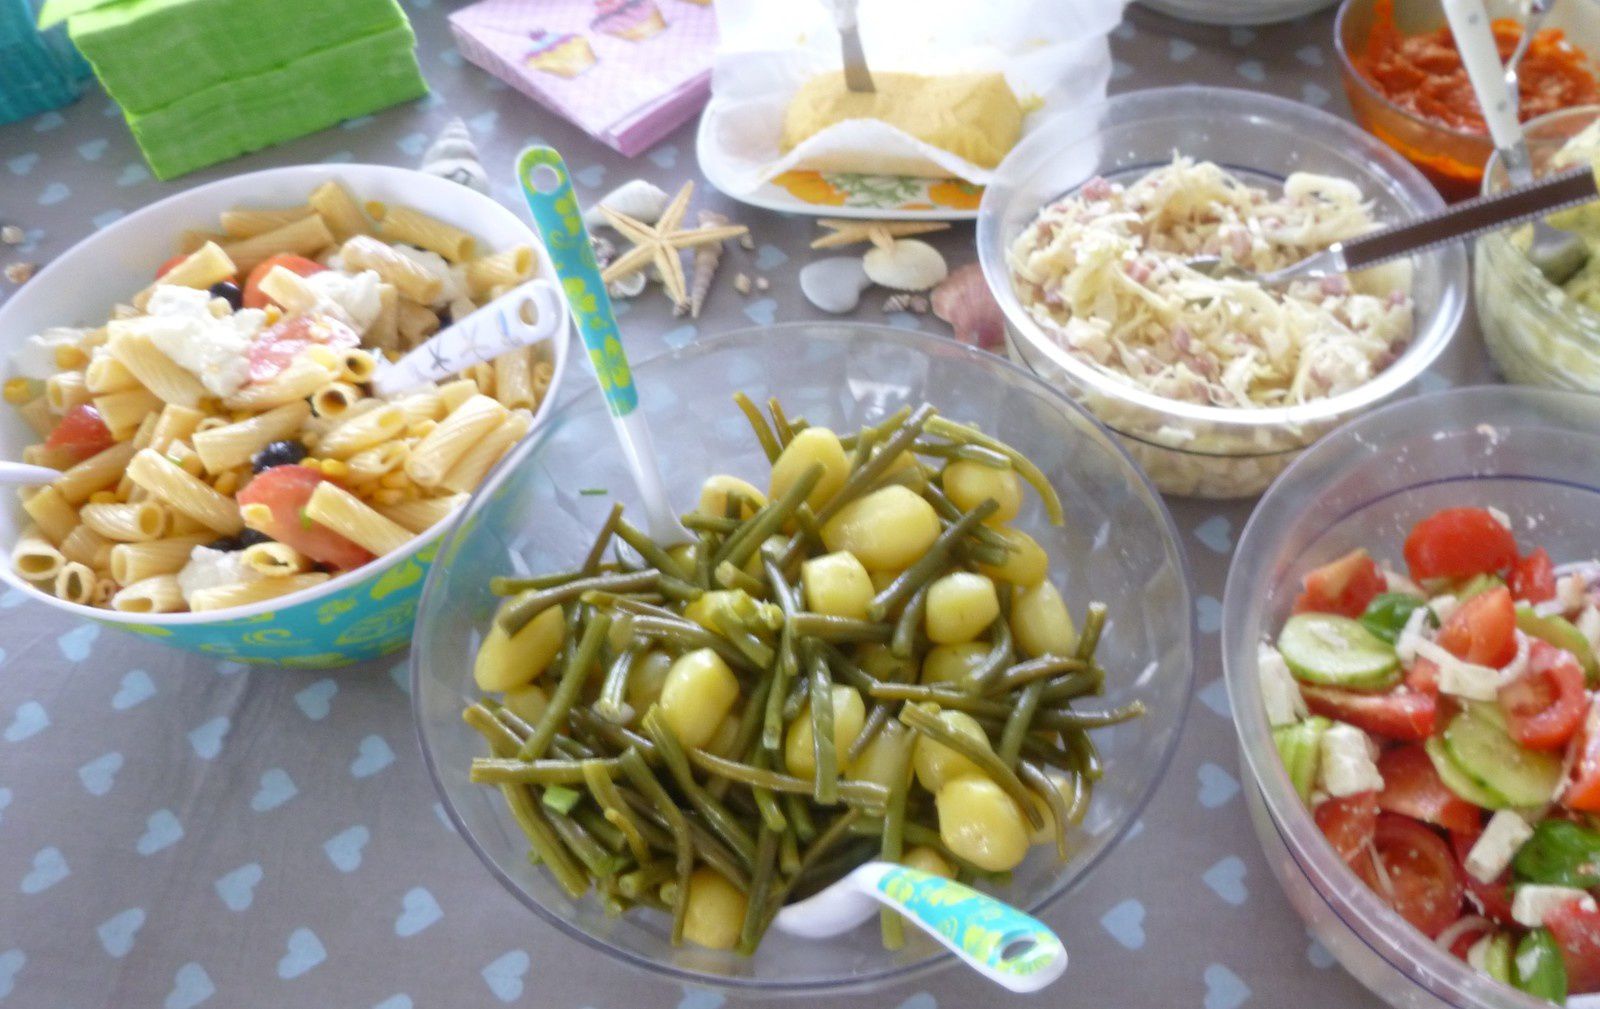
(39, 71)
(201, 81)
(627, 72)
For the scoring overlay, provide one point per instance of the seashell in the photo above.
(905, 301)
(604, 251)
(629, 285)
(834, 284)
(454, 156)
(20, 272)
(907, 265)
(964, 300)
(643, 201)
(706, 258)
(12, 234)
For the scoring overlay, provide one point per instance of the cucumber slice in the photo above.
(1300, 747)
(1478, 743)
(1559, 631)
(1477, 585)
(1539, 968)
(1497, 958)
(1336, 651)
(1457, 780)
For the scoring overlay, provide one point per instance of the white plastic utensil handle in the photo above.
(844, 14)
(1469, 23)
(21, 474)
(522, 316)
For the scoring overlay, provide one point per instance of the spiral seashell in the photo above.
(454, 156)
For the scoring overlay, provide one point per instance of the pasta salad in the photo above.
(218, 438)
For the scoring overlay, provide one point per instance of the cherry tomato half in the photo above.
(1533, 578)
(1412, 787)
(81, 433)
(1546, 704)
(1348, 823)
(1483, 629)
(1424, 882)
(1459, 543)
(253, 298)
(1344, 586)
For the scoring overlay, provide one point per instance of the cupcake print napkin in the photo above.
(627, 72)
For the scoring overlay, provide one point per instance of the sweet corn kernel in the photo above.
(387, 496)
(312, 462)
(274, 313)
(19, 391)
(70, 357)
(335, 469)
(227, 483)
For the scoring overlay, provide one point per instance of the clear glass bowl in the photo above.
(1534, 453)
(1188, 448)
(1119, 545)
(1236, 12)
(1536, 334)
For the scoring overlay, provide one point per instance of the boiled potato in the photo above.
(527, 703)
(698, 694)
(837, 584)
(849, 714)
(645, 680)
(1046, 834)
(968, 484)
(721, 742)
(936, 763)
(508, 661)
(715, 911)
(878, 662)
(980, 823)
(882, 580)
(685, 555)
(961, 605)
(714, 496)
(884, 755)
(887, 530)
(929, 861)
(738, 604)
(1040, 622)
(813, 445)
(1026, 564)
(906, 470)
(953, 663)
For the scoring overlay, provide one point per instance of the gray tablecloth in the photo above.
(177, 832)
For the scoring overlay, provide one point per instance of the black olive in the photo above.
(227, 544)
(250, 537)
(228, 291)
(278, 453)
(446, 317)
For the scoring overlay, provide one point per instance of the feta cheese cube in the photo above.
(1496, 846)
(353, 297)
(1347, 765)
(210, 569)
(1280, 694)
(181, 325)
(36, 358)
(1530, 903)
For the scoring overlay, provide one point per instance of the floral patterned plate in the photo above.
(847, 194)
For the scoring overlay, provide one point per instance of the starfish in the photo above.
(660, 243)
(879, 233)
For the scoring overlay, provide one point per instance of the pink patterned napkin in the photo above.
(627, 72)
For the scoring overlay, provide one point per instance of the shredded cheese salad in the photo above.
(1103, 273)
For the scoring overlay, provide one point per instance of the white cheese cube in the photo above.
(1347, 766)
(1280, 694)
(351, 297)
(213, 569)
(1571, 592)
(1494, 849)
(36, 357)
(1532, 902)
(1443, 606)
(181, 325)
(1588, 624)
(1478, 952)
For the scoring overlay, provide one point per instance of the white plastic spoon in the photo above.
(1012, 949)
(21, 474)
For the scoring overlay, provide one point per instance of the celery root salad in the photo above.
(1442, 726)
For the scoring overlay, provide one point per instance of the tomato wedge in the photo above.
(1533, 578)
(166, 267)
(1577, 932)
(1348, 823)
(253, 298)
(1483, 629)
(1424, 884)
(81, 433)
(1412, 787)
(1583, 791)
(1402, 714)
(285, 491)
(1494, 899)
(1344, 586)
(1459, 543)
(278, 345)
(1546, 704)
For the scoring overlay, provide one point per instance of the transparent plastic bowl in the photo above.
(1189, 448)
(1536, 334)
(1236, 12)
(1119, 545)
(1534, 453)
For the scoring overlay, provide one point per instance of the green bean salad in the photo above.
(864, 661)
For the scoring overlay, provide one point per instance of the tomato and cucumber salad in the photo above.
(1441, 720)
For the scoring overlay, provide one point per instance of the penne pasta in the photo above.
(242, 222)
(289, 290)
(245, 593)
(131, 522)
(503, 269)
(513, 379)
(157, 372)
(104, 590)
(43, 455)
(193, 238)
(439, 450)
(85, 546)
(335, 400)
(409, 278)
(414, 323)
(75, 583)
(66, 390)
(453, 394)
(123, 412)
(357, 366)
(107, 374)
(413, 227)
(363, 431)
(36, 413)
(184, 493)
(174, 423)
(132, 563)
(52, 514)
(371, 464)
(476, 462)
(207, 265)
(336, 508)
(35, 558)
(340, 210)
(304, 376)
(384, 333)
(156, 594)
(222, 448)
(304, 237)
(421, 514)
(97, 472)
(274, 560)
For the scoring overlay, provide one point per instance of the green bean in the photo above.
(641, 608)
(647, 877)
(839, 629)
(950, 513)
(680, 590)
(594, 821)
(780, 423)
(991, 765)
(758, 424)
(944, 697)
(1035, 777)
(789, 853)
(765, 799)
(519, 610)
(758, 652)
(506, 585)
(880, 430)
(1045, 667)
(799, 815)
(1001, 651)
(1084, 753)
(960, 450)
(591, 560)
(704, 550)
(522, 730)
(612, 704)
(730, 577)
(575, 674)
(696, 522)
(691, 636)
(505, 771)
(1065, 718)
(892, 845)
(860, 793)
(909, 625)
(601, 863)
(1018, 723)
(1040, 751)
(825, 779)
(787, 665)
(671, 753)
(819, 846)
(744, 543)
(1074, 685)
(861, 452)
(955, 431)
(646, 548)
(893, 444)
(799, 693)
(755, 908)
(638, 772)
(931, 564)
(597, 775)
(544, 841)
(500, 738)
(982, 553)
(1094, 621)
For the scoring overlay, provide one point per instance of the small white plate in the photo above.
(842, 194)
